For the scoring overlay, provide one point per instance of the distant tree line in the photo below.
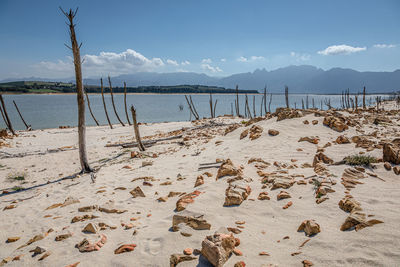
(39, 87)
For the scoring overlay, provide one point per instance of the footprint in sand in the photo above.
(153, 246)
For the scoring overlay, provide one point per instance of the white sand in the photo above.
(266, 221)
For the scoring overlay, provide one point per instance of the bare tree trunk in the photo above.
(237, 101)
(269, 104)
(90, 109)
(231, 109)
(104, 103)
(265, 100)
(112, 100)
(28, 127)
(194, 108)
(287, 96)
(364, 106)
(80, 95)
(254, 106)
(261, 107)
(4, 118)
(136, 128)
(126, 108)
(215, 105)
(6, 115)
(211, 106)
(190, 108)
(302, 103)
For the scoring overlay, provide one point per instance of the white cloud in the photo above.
(184, 63)
(223, 59)
(341, 50)
(251, 59)
(210, 68)
(172, 62)
(206, 60)
(105, 63)
(300, 57)
(384, 46)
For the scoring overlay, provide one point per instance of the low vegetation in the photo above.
(16, 177)
(360, 160)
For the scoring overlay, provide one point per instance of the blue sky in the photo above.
(218, 38)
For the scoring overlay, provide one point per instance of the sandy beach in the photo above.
(258, 162)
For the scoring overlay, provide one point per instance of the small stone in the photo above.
(310, 227)
(307, 263)
(283, 195)
(137, 192)
(45, 255)
(240, 264)
(263, 196)
(237, 252)
(263, 253)
(188, 251)
(38, 250)
(234, 230)
(147, 163)
(90, 228)
(13, 239)
(387, 166)
(125, 248)
(244, 134)
(199, 181)
(63, 236)
(290, 203)
(396, 170)
(162, 199)
(273, 132)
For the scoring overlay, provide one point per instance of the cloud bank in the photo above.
(384, 46)
(341, 50)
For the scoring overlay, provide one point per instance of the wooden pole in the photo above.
(104, 103)
(211, 106)
(28, 127)
(79, 89)
(136, 128)
(254, 106)
(126, 108)
(112, 100)
(90, 109)
(269, 104)
(215, 105)
(265, 100)
(194, 108)
(261, 107)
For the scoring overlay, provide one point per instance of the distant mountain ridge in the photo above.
(299, 79)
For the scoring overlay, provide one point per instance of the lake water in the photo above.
(51, 111)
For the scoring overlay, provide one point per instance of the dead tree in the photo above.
(8, 123)
(112, 100)
(302, 103)
(4, 119)
(104, 103)
(232, 109)
(269, 104)
(28, 127)
(191, 108)
(265, 100)
(90, 109)
(247, 108)
(254, 106)
(237, 101)
(313, 103)
(194, 108)
(364, 106)
(356, 101)
(79, 89)
(327, 102)
(211, 106)
(215, 106)
(126, 108)
(261, 106)
(307, 102)
(287, 96)
(136, 128)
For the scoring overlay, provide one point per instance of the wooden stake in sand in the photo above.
(126, 108)
(112, 100)
(8, 122)
(136, 128)
(90, 109)
(104, 103)
(287, 96)
(79, 89)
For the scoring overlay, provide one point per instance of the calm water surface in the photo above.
(51, 111)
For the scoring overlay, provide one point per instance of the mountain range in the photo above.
(299, 79)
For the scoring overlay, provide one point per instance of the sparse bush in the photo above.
(17, 188)
(360, 160)
(19, 176)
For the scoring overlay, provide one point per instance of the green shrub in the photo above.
(360, 160)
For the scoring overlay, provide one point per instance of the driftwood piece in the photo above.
(191, 108)
(136, 128)
(104, 103)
